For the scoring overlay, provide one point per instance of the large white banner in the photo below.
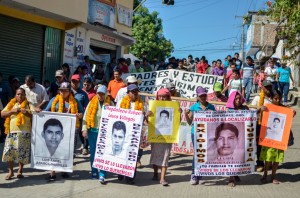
(52, 141)
(186, 82)
(118, 140)
(225, 143)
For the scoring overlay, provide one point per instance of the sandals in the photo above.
(164, 183)
(263, 180)
(275, 181)
(20, 176)
(9, 176)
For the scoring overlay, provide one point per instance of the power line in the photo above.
(176, 5)
(207, 43)
(250, 5)
(200, 50)
(196, 10)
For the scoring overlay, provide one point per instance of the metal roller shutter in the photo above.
(101, 44)
(21, 48)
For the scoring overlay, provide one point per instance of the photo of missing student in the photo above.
(164, 121)
(226, 143)
(275, 126)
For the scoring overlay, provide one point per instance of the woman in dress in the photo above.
(64, 102)
(17, 115)
(91, 124)
(160, 152)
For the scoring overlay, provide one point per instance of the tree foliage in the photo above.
(147, 30)
(287, 14)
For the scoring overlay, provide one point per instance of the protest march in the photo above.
(169, 112)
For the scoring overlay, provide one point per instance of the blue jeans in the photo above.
(274, 85)
(247, 84)
(284, 89)
(92, 137)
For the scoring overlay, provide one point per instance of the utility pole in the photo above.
(243, 39)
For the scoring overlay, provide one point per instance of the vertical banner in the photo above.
(224, 143)
(275, 127)
(118, 140)
(124, 15)
(163, 125)
(52, 141)
(69, 46)
(185, 144)
(101, 13)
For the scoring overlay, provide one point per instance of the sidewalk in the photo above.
(80, 185)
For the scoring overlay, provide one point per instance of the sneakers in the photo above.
(102, 180)
(94, 175)
(194, 180)
(85, 152)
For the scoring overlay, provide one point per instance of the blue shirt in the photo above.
(248, 70)
(67, 105)
(82, 97)
(284, 74)
(197, 107)
(4, 94)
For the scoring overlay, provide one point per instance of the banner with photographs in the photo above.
(52, 141)
(118, 140)
(163, 125)
(185, 144)
(124, 15)
(275, 127)
(186, 82)
(225, 143)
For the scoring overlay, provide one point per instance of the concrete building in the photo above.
(38, 36)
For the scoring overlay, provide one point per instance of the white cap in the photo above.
(131, 79)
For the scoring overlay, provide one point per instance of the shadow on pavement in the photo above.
(289, 165)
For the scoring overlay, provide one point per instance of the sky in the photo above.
(210, 28)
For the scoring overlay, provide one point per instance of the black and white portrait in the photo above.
(226, 142)
(164, 121)
(53, 138)
(275, 126)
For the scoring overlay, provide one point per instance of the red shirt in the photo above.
(90, 93)
(201, 68)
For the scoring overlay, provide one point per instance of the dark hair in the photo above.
(190, 56)
(228, 56)
(226, 126)
(213, 62)
(165, 112)
(119, 71)
(86, 57)
(276, 119)
(121, 60)
(236, 71)
(137, 62)
(119, 125)
(87, 80)
(52, 122)
(66, 65)
(30, 77)
(277, 92)
(219, 60)
(184, 59)
(21, 89)
(46, 81)
(249, 58)
(236, 53)
(145, 59)
(197, 59)
(180, 61)
(233, 59)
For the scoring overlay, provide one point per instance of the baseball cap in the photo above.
(76, 77)
(218, 87)
(15, 79)
(59, 73)
(267, 83)
(65, 85)
(102, 89)
(201, 91)
(132, 87)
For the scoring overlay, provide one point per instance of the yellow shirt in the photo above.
(26, 127)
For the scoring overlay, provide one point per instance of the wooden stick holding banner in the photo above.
(192, 100)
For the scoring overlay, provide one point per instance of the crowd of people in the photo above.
(84, 92)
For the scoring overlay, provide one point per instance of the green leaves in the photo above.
(147, 30)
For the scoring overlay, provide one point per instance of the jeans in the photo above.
(92, 136)
(274, 85)
(284, 89)
(247, 84)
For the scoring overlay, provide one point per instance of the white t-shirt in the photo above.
(121, 94)
(270, 71)
(235, 85)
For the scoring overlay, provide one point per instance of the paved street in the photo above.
(80, 185)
